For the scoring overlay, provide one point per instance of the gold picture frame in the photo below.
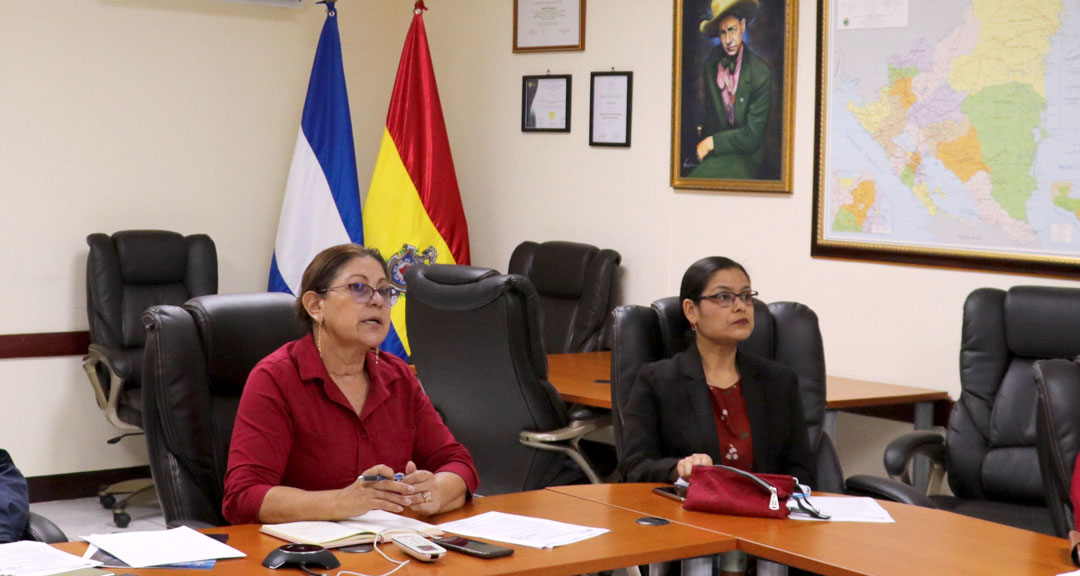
(752, 138)
(549, 25)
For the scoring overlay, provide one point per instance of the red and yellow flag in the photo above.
(413, 210)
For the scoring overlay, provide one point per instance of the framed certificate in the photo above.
(610, 103)
(545, 103)
(549, 25)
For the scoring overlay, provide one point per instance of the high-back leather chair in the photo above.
(989, 450)
(786, 332)
(475, 341)
(1057, 436)
(126, 273)
(197, 361)
(575, 286)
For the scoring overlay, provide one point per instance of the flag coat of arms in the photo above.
(413, 210)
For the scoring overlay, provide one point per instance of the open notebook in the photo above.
(355, 530)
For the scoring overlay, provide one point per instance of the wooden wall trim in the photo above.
(44, 344)
(79, 484)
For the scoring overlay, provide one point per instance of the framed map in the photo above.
(948, 133)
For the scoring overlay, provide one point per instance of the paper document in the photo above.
(356, 530)
(521, 530)
(153, 548)
(27, 558)
(843, 509)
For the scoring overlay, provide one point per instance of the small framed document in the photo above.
(611, 101)
(545, 103)
(549, 25)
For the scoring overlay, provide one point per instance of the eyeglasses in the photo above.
(727, 299)
(362, 293)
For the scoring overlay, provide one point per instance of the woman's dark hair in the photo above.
(325, 267)
(697, 275)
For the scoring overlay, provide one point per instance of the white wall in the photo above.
(182, 114)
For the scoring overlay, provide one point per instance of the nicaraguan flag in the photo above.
(322, 196)
(413, 210)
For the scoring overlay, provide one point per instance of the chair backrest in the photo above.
(132, 270)
(575, 284)
(1057, 436)
(197, 361)
(786, 332)
(475, 340)
(990, 441)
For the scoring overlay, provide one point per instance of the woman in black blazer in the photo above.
(711, 403)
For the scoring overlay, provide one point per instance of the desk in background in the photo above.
(922, 541)
(627, 544)
(585, 378)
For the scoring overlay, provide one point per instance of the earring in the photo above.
(376, 356)
(315, 336)
(693, 327)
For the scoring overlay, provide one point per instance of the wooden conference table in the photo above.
(921, 541)
(627, 544)
(585, 378)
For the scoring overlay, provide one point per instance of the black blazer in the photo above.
(668, 416)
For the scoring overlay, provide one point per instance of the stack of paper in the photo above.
(521, 530)
(39, 559)
(356, 530)
(159, 547)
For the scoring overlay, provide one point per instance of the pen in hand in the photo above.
(379, 477)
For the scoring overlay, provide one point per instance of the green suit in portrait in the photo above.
(737, 148)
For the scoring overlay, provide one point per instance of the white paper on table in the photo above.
(26, 558)
(153, 548)
(1073, 573)
(843, 509)
(521, 530)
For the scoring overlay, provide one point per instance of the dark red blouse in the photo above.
(295, 428)
(732, 427)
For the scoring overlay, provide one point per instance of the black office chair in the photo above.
(41, 529)
(126, 273)
(475, 340)
(575, 286)
(786, 332)
(1057, 436)
(197, 361)
(989, 451)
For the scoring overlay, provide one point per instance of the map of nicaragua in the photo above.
(954, 142)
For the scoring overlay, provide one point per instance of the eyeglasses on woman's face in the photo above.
(727, 299)
(362, 293)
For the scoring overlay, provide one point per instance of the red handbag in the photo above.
(725, 490)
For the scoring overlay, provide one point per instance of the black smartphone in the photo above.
(673, 492)
(473, 547)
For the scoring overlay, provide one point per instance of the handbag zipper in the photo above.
(774, 500)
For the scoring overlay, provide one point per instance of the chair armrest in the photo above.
(107, 393)
(41, 529)
(575, 430)
(900, 451)
(886, 489)
(193, 524)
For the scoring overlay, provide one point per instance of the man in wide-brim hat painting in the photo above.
(738, 94)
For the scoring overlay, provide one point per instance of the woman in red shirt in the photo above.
(324, 410)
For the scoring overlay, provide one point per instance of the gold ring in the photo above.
(427, 496)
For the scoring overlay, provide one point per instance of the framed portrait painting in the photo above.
(734, 95)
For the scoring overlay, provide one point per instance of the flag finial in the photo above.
(330, 10)
(419, 7)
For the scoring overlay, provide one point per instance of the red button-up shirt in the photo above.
(294, 427)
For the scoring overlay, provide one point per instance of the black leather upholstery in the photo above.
(989, 448)
(475, 340)
(126, 273)
(197, 361)
(1057, 436)
(41, 529)
(575, 284)
(786, 332)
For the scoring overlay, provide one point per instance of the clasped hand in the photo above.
(416, 491)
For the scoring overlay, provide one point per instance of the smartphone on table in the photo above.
(473, 547)
(675, 492)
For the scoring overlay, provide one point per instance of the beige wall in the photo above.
(182, 114)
